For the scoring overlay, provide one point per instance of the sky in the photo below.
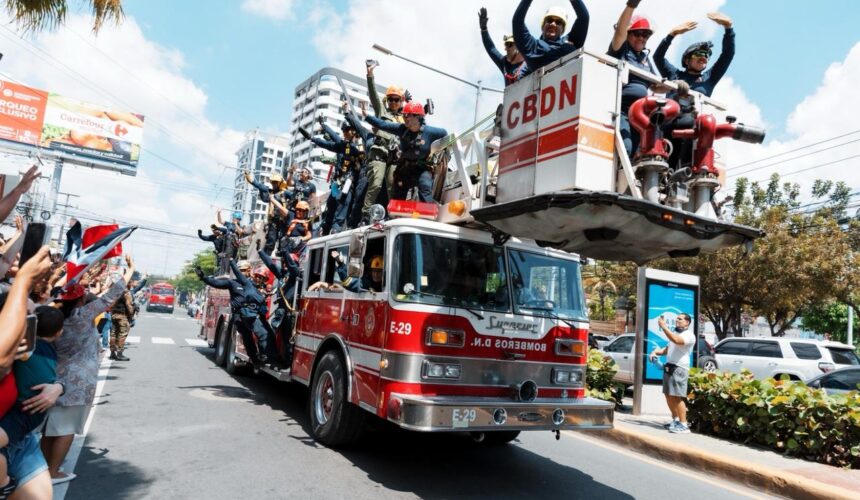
(206, 72)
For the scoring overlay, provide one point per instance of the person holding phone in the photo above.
(676, 371)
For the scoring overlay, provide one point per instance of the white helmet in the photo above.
(556, 11)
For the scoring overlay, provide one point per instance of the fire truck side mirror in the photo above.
(357, 244)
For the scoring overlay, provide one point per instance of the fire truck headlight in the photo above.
(449, 371)
(563, 376)
(446, 337)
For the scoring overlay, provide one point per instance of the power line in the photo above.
(795, 158)
(793, 150)
(782, 175)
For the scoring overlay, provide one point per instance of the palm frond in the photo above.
(37, 15)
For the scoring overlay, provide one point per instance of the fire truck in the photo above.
(479, 324)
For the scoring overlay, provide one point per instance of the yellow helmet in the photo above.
(276, 179)
(376, 262)
(302, 205)
(555, 11)
(394, 90)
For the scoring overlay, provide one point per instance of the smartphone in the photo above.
(30, 335)
(34, 238)
(371, 62)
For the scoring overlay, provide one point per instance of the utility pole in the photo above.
(65, 217)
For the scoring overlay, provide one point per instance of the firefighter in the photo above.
(696, 57)
(553, 44)
(298, 232)
(216, 238)
(345, 177)
(416, 137)
(382, 157)
(277, 222)
(357, 214)
(368, 282)
(512, 64)
(248, 309)
(628, 44)
(302, 189)
(288, 277)
(121, 315)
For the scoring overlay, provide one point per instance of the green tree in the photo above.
(187, 280)
(36, 15)
(832, 318)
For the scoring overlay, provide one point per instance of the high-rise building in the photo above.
(321, 95)
(262, 155)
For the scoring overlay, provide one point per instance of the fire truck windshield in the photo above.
(546, 286)
(446, 271)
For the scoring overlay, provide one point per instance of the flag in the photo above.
(94, 234)
(79, 262)
(73, 240)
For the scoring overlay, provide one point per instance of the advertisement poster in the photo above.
(22, 112)
(36, 117)
(668, 300)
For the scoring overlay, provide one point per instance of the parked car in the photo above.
(837, 382)
(597, 340)
(800, 359)
(621, 351)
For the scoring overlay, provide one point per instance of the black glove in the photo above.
(482, 18)
(321, 120)
(198, 271)
(305, 133)
(633, 3)
(200, 233)
(407, 96)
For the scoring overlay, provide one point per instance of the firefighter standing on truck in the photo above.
(382, 157)
(298, 232)
(248, 307)
(276, 224)
(512, 65)
(121, 314)
(553, 44)
(416, 137)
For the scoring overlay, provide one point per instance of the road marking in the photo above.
(197, 342)
(162, 340)
(132, 339)
(698, 476)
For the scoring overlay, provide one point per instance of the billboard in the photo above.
(668, 300)
(75, 129)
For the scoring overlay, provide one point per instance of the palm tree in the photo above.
(36, 15)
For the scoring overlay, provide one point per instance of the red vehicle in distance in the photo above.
(162, 297)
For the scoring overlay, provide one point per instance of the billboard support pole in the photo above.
(638, 350)
(53, 194)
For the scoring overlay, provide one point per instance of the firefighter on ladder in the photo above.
(277, 221)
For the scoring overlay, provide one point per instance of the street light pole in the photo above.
(477, 86)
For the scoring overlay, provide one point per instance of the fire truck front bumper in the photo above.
(457, 413)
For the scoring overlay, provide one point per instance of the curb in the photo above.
(778, 482)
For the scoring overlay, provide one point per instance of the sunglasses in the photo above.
(509, 45)
(393, 98)
(554, 20)
(701, 53)
(641, 34)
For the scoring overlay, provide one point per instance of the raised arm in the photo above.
(219, 283)
(139, 286)
(240, 277)
(489, 46)
(218, 217)
(272, 265)
(353, 120)
(391, 127)
(666, 69)
(210, 238)
(620, 35)
(371, 92)
(728, 53)
(113, 294)
(280, 207)
(13, 316)
(522, 37)
(331, 132)
(7, 204)
(579, 31)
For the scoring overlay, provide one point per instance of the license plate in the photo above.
(463, 417)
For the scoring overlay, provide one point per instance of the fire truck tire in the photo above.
(221, 345)
(498, 438)
(232, 364)
(334, 420)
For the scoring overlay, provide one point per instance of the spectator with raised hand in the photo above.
(695, 59)
(512, 64)
(628, 45)
(77, 369)
(7, 204)
(553, 44)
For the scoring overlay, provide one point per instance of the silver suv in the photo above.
(775, 357)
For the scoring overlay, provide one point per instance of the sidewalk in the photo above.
(755, 467)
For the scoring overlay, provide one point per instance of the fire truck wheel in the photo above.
(334, 420)
(499, 438)
(232, 364)
(221, 345)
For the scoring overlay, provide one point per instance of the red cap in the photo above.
(76, 291)
(413, 108)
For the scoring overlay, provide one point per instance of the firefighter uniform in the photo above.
(382, 156)
(277, 222)
(344, 178)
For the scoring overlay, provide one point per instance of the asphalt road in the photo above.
(170, 424)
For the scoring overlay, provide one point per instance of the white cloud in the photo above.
(275, 9)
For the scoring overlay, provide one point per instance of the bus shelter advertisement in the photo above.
(35, 117)
(668, 300)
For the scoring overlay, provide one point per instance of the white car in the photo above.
(800, 359)
(621, 351)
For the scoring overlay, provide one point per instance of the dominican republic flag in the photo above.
(99, 242)
(73, 240)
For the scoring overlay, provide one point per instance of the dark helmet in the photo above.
(696, 47)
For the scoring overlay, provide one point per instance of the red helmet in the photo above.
(640, 23)
(260, 271)
(413, 108)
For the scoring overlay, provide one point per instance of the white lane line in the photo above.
(698, 476)
(77, 445)
(197, 342)
(132, 339)
(162, 340)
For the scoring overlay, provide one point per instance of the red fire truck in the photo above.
(161, 297)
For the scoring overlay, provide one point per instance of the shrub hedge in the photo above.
(598, 378)
(780, 414)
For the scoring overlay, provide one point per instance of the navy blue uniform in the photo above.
(355, 285)
(350, 159)
(539, 52)
(277, 222)
(636, 88)
(705, 81)
(510, 71)
(249, 307)
(361, 189)
(413, 168)
(216, 240)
